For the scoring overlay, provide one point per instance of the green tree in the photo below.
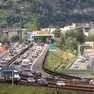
(15, 38)
(57, 33)
(80, 35)
(62, 42)
(30, 27)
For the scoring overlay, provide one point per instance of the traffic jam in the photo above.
(25, 68)
(21, 68)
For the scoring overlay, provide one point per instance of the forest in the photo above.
(45, 13)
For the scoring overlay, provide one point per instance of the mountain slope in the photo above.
(47, 12)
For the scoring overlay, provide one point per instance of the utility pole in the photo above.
(79, 53)
(21, 23)
(12, 77)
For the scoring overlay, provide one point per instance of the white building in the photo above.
(88, 28)
(66, 28)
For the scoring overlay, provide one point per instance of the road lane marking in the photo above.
(38, 58)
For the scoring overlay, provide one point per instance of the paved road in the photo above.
(37, 65)
(4, 55)
(37, 62)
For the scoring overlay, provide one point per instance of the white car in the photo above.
(30, 79)
(26, 62)
(75, 66)
(60, 83)
(91, 82)
(39, 48)
(81, 59)
(34, 55)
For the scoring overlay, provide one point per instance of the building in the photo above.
(88, 28)
(10, 32)
(66, 28)
(42, 36)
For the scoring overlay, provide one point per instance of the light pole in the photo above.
(21, 23)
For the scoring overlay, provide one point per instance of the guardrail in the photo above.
(15, 57)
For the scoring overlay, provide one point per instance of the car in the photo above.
(24, 55)
(38, 73)
(34, 55)
(84, 80)
(42, 81)
(16, 63)
(17, 50)
(91, 82)
(31, 79)
(75, 66)
(26, 69)
(3, 61)
(42, 44)
(60, 83)
(81, 59)
(33, 48)
(86, 56)
(33, 72)
(7, 59)
(39, 48)
(53, 77)
(26, 62)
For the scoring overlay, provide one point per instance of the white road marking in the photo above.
(38, 57)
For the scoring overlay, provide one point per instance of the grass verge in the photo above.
(7, 89)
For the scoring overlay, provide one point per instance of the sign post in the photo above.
(30, 36)
(52, 47)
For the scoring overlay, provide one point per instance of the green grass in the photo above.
(58, 52)
(75, 71)
(7, 89)
(52, 62)
(54, 59)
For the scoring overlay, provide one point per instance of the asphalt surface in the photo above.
(4, 55)
(37, 65)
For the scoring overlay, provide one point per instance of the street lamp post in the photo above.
(21, 22)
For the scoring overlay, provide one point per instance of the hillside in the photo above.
(46, 12)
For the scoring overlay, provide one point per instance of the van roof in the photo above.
(25, 60)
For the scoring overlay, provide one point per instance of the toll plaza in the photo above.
(40, 36)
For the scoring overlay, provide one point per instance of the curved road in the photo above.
(37, 64)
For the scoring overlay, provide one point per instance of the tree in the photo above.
(57, 33)
(62, 42)
(30, 27)
(80, 35)
(15, 38)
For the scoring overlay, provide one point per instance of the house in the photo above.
(88, 28)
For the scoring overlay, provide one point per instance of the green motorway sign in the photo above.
(52, 47)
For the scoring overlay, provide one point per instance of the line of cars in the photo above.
(27, 62)
(81, 59)
(35, 51)
(44, 81)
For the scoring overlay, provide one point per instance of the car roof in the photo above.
(61, 81)
(25, 60)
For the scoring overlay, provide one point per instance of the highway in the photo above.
(37, 64)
